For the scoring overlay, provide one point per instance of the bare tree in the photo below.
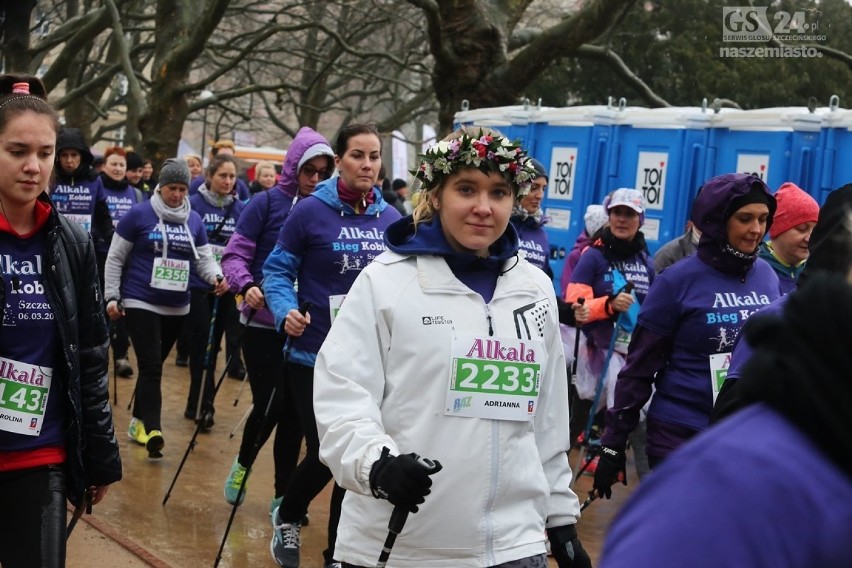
(470, 42)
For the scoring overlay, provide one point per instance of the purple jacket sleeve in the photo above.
(239, 254)
(646, 356)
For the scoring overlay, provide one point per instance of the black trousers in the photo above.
(153, 336)
(202, 364)
(311, 475)
(262, 350)
(32, 527)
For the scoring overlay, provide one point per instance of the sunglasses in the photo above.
(309, 171)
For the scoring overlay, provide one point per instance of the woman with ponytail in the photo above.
(56, 433)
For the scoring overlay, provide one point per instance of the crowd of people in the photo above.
(409, 334)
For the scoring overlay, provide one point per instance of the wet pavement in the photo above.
(132, 528)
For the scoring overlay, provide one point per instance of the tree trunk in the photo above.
(16, 35)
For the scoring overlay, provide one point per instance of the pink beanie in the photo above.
(794, 208)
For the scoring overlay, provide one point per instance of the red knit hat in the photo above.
(795, 207)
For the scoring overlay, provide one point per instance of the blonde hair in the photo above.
(188, 157)
(263, 165)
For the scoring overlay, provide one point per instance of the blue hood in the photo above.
(401, 238)
(327, 193)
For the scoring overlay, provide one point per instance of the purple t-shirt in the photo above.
(211, 217)
(702, 311)
(118, 203)
(532, 239)
(333, 249)
(28, 348)
(596, 271)
(140, 227)
(733, 497)
(742, 350)
(77, 200)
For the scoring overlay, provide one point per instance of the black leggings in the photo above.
(153, 336)
(311, 475)
(262, 350)
(32, 526)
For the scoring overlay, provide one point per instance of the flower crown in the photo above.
(487, 152)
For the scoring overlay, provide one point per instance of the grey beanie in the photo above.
(174, 170)
(539, 169)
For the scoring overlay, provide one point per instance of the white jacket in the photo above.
(381, 380)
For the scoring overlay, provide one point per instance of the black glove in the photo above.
(403, 480)
(611, 468)
(566, 548)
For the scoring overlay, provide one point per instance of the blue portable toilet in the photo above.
(573, 144)
(776, 144)
(835, 166)
(661, 152)
(516, 122)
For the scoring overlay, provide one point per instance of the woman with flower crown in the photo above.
(448, 348)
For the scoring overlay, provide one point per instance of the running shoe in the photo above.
(276, 502)
(285, 543)
(154, 444)
(123, 368)
(136, 432)
(232, 484)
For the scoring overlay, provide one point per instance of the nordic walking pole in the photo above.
(400, 513)
(208, 355)
(86, 506)
(199, 425)
(243, 419)
(112, 334)
(573, 376)
(208, 372)
(628, 288)
(242, 386)
(303, 309)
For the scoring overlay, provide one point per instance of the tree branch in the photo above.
(562, 39)
(623, 71)
(124, 55)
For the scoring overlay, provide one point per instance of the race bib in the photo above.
(24, 388)
(622, 340)
(170, 274)
(218, 252)
(719, 363)
(84, 221)
(495, 378)
(334, 303)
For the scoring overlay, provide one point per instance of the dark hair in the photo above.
(13, 104)
(350, 131)
(216, 163)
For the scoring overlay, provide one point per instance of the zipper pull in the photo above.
(490, 323)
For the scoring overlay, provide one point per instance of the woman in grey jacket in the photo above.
(473, 378)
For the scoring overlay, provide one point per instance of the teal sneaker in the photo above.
(232, 484)
(276, 502)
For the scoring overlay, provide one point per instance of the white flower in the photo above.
(443, 147)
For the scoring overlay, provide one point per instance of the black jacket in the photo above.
(71, 285)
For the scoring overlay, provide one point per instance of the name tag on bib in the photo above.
(84, 221)
(495, 377)
(24, 388)
(218, 252)
(719, 363)
(170, 274)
